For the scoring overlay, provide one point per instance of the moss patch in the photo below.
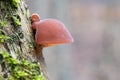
(2, 24)
(16, 20)
(3, 37)
(20, 69)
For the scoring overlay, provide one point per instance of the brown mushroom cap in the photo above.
(51, 32)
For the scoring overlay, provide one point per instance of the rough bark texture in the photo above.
(16, 36)
(17, 27)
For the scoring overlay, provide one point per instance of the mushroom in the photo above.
(48, 32)
(35, 19)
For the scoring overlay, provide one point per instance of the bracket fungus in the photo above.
(50, 32)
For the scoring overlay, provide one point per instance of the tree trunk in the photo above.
(17, 47)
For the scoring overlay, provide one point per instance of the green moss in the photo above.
(20, 69)
(11, 4)
(27, 14)
(15, 69)
(1, 77)
(16, 20)
(3, 37)
(15, 3)
(3, 24)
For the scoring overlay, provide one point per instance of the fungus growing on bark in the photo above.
(50, 32)
(35, 19)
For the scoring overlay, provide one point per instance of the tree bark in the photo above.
(16, 36)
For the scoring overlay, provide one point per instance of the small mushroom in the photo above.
(50, 32)
(35, 19)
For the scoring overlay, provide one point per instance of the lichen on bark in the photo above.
(16, 37)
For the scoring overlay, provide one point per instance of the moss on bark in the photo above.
(16, 42)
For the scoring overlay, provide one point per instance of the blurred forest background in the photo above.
(95, 27)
